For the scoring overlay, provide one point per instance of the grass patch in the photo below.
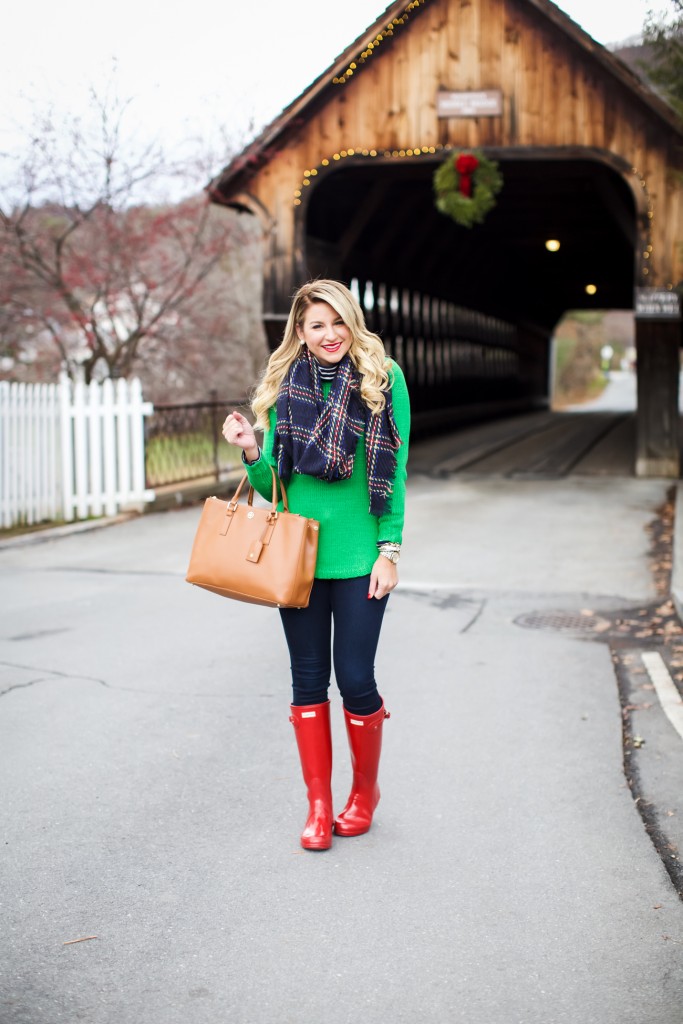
(178, 457)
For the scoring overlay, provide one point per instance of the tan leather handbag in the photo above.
(258, 555)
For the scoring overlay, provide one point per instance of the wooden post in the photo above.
(657, 347)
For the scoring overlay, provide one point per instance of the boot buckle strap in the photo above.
(375, 726)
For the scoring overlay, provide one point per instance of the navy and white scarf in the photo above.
(318, 437)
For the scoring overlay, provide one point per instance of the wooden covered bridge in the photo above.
(342, 183)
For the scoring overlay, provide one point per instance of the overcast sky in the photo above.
(193, 66)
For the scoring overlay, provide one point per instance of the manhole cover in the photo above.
(566, 622)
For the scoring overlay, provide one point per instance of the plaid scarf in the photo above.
(318, 437)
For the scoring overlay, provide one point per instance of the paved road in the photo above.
(619, 394)
(151, 794)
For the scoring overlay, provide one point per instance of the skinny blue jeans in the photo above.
(314, 647)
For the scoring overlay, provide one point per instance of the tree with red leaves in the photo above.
(89, 269)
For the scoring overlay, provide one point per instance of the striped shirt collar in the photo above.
(327, 372)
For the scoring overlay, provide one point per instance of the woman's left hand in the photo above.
(383, 578)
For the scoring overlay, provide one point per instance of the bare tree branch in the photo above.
(112, 271)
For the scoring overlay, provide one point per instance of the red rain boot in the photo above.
(312, 730)
(365, 743)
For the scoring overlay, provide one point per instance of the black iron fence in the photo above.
(184, 442)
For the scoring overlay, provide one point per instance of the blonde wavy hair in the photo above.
(366, 353)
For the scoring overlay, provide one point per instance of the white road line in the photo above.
(665, 688)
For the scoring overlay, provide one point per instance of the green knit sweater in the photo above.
(348, 532)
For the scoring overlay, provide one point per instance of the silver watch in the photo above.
(391, 553)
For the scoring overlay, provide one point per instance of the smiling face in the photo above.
(325, 334)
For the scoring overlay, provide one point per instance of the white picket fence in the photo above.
(70, 450)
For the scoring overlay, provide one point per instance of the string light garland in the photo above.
(646, 261)
(466, 185)
(397, 154)
(372, 47)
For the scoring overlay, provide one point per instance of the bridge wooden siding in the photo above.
(564, 96)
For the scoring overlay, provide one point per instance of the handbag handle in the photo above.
(250, 496)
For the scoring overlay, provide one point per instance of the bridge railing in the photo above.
(184, 442)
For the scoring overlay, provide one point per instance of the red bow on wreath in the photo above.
(466, 164)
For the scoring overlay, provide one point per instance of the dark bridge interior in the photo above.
(469, 312)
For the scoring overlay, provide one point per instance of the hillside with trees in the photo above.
(579, 370)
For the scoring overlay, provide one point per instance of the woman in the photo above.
(336, 417)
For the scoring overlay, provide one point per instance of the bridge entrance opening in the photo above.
(469, 312)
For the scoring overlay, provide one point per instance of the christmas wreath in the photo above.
(466, 186)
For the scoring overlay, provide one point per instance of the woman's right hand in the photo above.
(238, 430)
